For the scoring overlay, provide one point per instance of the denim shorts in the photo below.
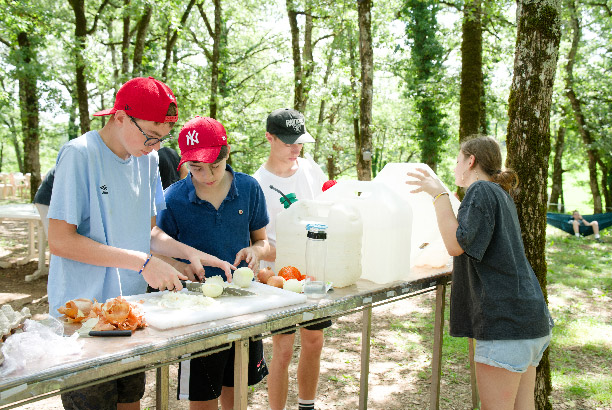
(513, 355)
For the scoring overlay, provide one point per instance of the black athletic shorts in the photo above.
(202, 378)
(105, 396)
(316, 326)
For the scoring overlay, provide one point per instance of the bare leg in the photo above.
(227, 398)
(595, 226)
(576, 226)
(129, 406)
(497, 387)
(204, 405)
(310, 361)
(525, 396)
(278, 377)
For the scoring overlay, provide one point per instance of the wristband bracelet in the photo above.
(144, 265)
(439, 195)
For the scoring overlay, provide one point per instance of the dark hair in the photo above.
(487, 154)
(222, 154)
(172, 111)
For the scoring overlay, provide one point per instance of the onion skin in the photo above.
(276, 281)
(264, 274)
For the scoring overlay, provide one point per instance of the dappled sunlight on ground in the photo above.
(10, 297)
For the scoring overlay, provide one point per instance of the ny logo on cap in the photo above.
(192, 138)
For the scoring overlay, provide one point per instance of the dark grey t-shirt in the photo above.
(495, 293)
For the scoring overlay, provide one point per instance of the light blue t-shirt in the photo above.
(111, 201)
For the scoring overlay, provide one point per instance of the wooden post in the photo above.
(366, 333)
(241, 374)
(162, 383)
(475, 397)
(436, 361)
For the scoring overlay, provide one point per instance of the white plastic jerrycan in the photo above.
(344, 233)
(427, 249)
(387, 222)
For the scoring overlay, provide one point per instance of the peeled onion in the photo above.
(243, 277)
(218, 279)
(212, 289)
(293, 285)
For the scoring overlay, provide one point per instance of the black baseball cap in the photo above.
(289, 126)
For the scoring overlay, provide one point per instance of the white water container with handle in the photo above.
(387, 224)
(344, 233)
(428, 248)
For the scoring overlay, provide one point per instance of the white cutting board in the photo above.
(267, 297)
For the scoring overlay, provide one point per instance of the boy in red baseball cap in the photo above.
(105, 196)
(223, 213)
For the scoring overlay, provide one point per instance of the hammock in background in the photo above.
(561, 221)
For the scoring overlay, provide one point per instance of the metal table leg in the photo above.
(436, 362)
(162, 383)
(366, 333)
(241, 374)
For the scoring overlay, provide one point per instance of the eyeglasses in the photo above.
(150, 141)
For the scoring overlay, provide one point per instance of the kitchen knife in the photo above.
(227, 290)
(110, 333)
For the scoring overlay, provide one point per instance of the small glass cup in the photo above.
(314, 288)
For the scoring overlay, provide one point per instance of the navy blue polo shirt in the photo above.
(220, 232)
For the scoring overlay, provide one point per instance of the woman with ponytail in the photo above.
(496, 298)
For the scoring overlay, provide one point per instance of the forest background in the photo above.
(237, 61)
(399, 81)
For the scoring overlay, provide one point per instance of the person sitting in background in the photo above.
(576, 220)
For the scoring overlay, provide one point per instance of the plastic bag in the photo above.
(41, 342)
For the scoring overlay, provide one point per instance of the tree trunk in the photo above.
(172, 38)
(354, 106)
(364, 157)
(80, 33)
(125, 43)
(28, 104)
(321, 119)
(555, 201)
(604, 186)
(331, 167)
(583, 128)
(214, 77)
(139, 44)
(298, 83)
(426, 68)
(471, 71)
(528, 138)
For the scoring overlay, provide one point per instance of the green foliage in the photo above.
(423, 75)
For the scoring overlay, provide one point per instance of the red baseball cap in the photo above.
(144, 98)
(201, 139)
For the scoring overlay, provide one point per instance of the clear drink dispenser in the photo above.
(344, 236)
(316, 252)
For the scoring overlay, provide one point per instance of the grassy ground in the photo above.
(580, 296)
